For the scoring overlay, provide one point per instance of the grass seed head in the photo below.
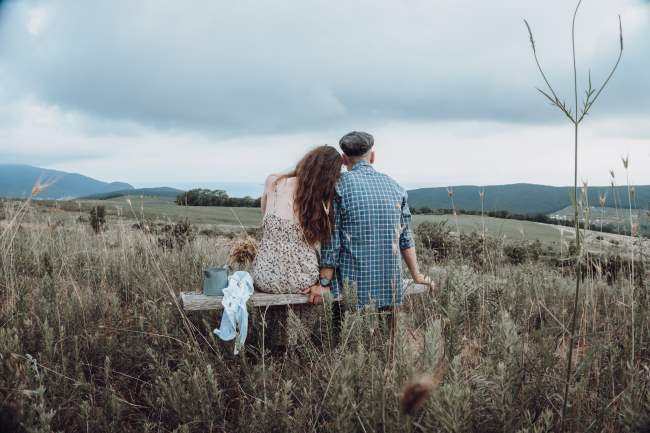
(415, 394)
(602, 198)
(626, 161)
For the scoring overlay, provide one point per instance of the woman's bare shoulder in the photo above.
(270, 180)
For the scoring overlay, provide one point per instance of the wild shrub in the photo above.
(481, 251)
(436, 237)
(473, 248)
(523, 251)
(97, 219)
(177, 235)
(254, 232)
(214, 232)
(146, 225)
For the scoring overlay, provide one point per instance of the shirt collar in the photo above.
(361, 165)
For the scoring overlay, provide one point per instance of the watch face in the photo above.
(325, 282)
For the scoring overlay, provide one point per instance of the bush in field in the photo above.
(435, 236)
(146, 226)
(523, 251)
(479, 250)
(254, 232)
(473, 247)
(98, 218)
(177, 235)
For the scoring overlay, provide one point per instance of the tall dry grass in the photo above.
(92, 340)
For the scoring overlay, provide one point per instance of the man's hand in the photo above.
(316, 293)
(423, 279)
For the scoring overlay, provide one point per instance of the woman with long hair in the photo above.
(296, 220)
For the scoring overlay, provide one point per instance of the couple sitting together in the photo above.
(323, 229)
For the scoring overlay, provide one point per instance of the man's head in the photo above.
(357, 146)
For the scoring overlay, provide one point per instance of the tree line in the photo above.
(217, 197)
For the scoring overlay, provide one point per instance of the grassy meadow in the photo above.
(157, 208)
(92, 339)
(164, 209)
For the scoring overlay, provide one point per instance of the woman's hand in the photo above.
(316, 293)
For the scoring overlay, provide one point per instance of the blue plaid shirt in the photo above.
(372, 226)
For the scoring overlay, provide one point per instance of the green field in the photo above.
(510, 229)
(161, 208)
(164, 209)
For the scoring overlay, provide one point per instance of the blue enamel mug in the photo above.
(214, 281)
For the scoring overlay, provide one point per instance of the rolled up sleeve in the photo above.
(406, 239)
(331, 250)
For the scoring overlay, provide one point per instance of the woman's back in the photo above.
(285, 262)
(279, 194)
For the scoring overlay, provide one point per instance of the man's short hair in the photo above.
(355, 143)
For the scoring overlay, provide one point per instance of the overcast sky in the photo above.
(161, 92)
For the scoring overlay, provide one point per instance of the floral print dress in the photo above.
(285, 262)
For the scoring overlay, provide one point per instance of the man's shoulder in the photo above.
(392, 181)
(351, 180)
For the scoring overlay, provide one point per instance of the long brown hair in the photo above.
(316, 176)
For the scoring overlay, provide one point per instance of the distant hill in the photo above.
(16, 181)
(522, 198)
(147, 192)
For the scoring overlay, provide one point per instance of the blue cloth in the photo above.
(372, 225)
(235, 314)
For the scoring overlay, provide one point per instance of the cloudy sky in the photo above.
(205, 92)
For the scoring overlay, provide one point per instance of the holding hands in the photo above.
(316, 293)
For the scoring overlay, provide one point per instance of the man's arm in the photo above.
(411, 259)
(407, 245)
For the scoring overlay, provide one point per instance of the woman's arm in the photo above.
(263, 203)
(268, 186)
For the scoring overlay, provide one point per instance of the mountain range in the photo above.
(17, 181)
(522, 198)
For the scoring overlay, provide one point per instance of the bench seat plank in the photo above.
(197, 301)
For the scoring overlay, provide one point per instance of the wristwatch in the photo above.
(325, 282)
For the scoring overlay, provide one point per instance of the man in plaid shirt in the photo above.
(371, 233)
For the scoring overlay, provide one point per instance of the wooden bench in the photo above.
(197, 301)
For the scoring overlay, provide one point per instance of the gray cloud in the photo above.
(259, 67)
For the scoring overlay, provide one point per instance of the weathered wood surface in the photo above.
(197, 301)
